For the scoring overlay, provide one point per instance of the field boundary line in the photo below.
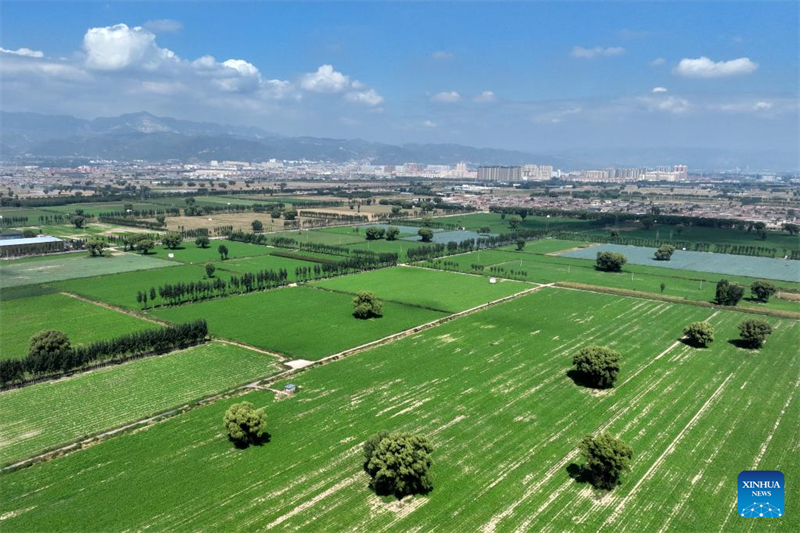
(116, 308)
(277, 355)
(264, 383)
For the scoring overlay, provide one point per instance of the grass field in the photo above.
(45, 415)
(713, 235)
(300, 322)
(442, 291)
(94, 208)
(69, 266)
(491, 392)
(322, 237)
(82, 322)
(189, 252)
(268, 262)
(698, 286)
(496, 224)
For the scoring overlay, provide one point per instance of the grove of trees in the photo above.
(728, 293)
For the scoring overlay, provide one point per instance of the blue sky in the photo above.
(537, 76)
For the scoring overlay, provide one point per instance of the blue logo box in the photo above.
(761, 494)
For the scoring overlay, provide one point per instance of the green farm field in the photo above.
(83, 322)
(779, 240)
(269, 262)
(698, 286)
(321, 237)
(111, 396)
(441, 291)
(299, 322)
(189, 252)
(491, 392)
(496, 224)
(95, 208)
(69, 266)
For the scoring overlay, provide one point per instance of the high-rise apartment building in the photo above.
(501, 174)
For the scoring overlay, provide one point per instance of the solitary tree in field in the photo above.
(172, 240)
(426, 234)
(202, 241)
(145, 245)
(610, 261)
(79, 221)
(648, 222)
(728, 293)
(597, 366)
(662, 287)
(245, 424)
(392, 233)
(606, 457)
(257, 225)
(290, 214)
(762, 290)
(210, 268)
(161, 219)
(791, 229)
(520, 244)
(399, 464)
(754, 332)
(514, 221)
(699, 333)
(366, 305)
(664, 252)
(223, 251)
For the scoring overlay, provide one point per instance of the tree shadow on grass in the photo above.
(743, 344)
(578, 472)
(582, 379)
(254, 441)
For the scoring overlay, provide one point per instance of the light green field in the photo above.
(45, 415)
(94, 208)
(321, 237)
(69, 266)
(399, 247)
(121, 289)
(700, 286)
(83, 322)
(267, 262)
(491, 392)
(189, 252)
(545, 246)
(441, 291)
(300, 322)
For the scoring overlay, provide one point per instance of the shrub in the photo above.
(762, 290)
(245, 424)
(257, 225)
(399, 464)
(48, 343)
(366, 305)
(606, 459)
(754, 332)
(610, 261)
(728, 293)
(597, 366)
(699, 333)
(374, 233)
(172, 240)
(520, 244)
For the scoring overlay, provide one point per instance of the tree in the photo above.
(791, 229)
(210, 268)
(520, 244)
(610, 261)
(161, 219)
(427, 221)
(728, 293)
(257, 225)
(276, 213)
(663, 286)
(699, 334)
(95, 248)
(28, 233)
(606, 457)
(202, 241)
(597, 366)
(762, 290)
(48, 343)
(664, 252)
(366, 305)
(679, 228)
(396, 209)
(245, 424)
(399, 464)
(374, 232)
(392, 233)
(426, 234)
(291, 214)
(754, 332)
(223, 251)
(648, 222)
(514, 221)
(145, 245)
(172, 240)
(79, 221)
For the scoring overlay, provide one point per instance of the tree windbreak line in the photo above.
(51, 354)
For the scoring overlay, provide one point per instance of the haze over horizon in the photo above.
(537, 77)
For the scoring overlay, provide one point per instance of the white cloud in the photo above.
(429, 124)
(118, 47)
(763, 105)
(242, 67)
(369, 97)
(325, 80)
(446, 97)
(659, 89)
(703, 67)
(589, 53)
(668, 104)
(442, 55)
(163, 26)
(26, 52)
(657, 62)
(485, 97)
(556, 116)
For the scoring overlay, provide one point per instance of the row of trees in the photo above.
(730, 294)
(51, 353)
(193, 291)
(374, 233)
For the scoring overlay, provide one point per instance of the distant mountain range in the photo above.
(151, 138)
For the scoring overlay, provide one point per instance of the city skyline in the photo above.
(615, 77)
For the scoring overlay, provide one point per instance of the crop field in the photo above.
(496, 224)
(322, 237)
(189, 252)
(693, 234)
(120, 289)
(399, 247)
(300, 322)
(546, 246)
(266, 262)
(44, 415)
(95, 208)
(441, 291)
(726, 264)
(83, 322)
(492, 393)
(699, 286)
(69, 266)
